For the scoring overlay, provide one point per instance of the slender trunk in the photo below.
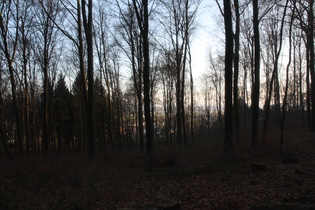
(17, 111)
(138, 86)
(182, 95)
(10, 59)
(170, 129)
(186, 44)
(228, 114)
(3, 132)
(300, 84)
(295, 81)
(140, 102)
(26, 100)
(178, 99)
(46, 134)
(245, 95)
(146, 78)
(308, 95)
(286, 82)
(82, 70)
(310, 41)
(274, 79)
(256, 77)
(236, 70)
(191, 97)
(277, 100)
(88, 28)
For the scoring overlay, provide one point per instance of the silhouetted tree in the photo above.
(10, 15)
(142, 13)
(88, 29)
(228, 113)
(256, 77)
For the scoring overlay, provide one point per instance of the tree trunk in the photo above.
(308, 95)
(300, 84)
(236, 70)
(228, 143)
(3, 132)
(274, 80)
(256, 81)
(82, 72)
(284, 103)
(310, 46)
(46, 134)
(143, 22)
(146, 78)
(191, 97)
(26, 94)
(88, 28)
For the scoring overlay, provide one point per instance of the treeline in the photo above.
(64, 65)
(61, 77)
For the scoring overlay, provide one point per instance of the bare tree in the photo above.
(217, 79)
(25, 51)
(87, 14)
(47, 39)
(130, 34)
(284, 104)
(142, 13)
(10, 15)
(178, 24)
(305, 17)
(168, 80)
(73, 16)
(276, 40)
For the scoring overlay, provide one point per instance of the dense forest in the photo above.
(114, 80)
(84, 76)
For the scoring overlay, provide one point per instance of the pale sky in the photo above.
(205, 38)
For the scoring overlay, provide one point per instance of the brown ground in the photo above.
(196, 177)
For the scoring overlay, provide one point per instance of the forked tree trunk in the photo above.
(88, 28)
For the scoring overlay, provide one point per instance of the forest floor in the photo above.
(196, 177)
